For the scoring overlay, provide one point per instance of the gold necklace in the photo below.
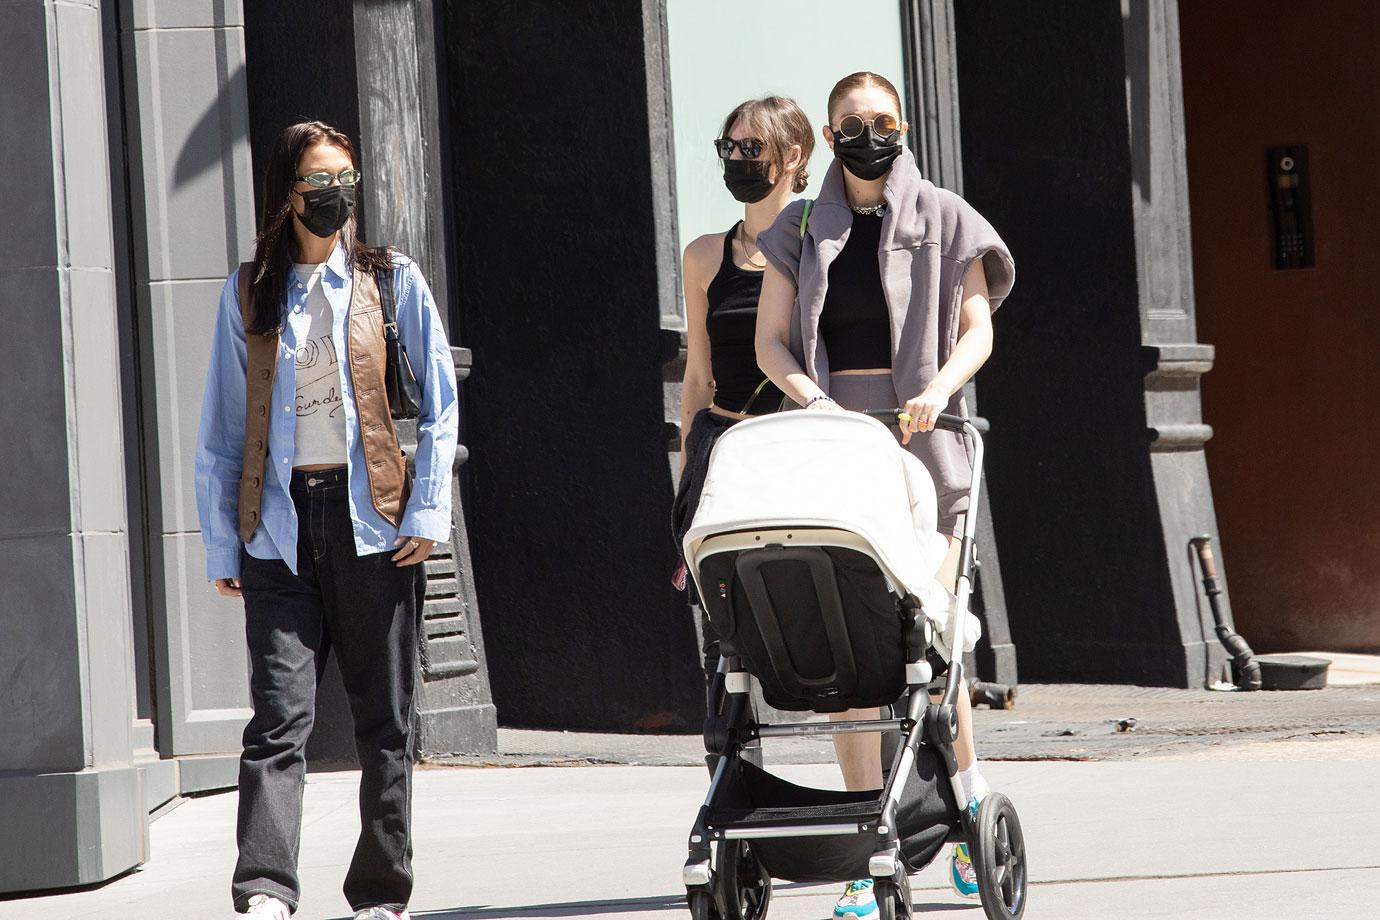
(742, 241)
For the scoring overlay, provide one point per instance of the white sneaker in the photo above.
(381, 913)
(267, 907)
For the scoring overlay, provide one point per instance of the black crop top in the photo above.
(732, 325)
(855, 323)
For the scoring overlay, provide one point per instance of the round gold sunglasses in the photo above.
(851, 126)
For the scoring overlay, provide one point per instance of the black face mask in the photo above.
(327, 209)
(747, 180)
(868, 156)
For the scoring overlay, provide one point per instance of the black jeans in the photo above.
(368, 610)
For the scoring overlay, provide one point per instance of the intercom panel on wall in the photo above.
(1291, 206)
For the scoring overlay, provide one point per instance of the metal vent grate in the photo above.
(448, 652)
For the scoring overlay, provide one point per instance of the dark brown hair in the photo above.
(782, 124)
(273, 254)
(861, 80)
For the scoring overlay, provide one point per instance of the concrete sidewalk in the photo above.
(1277, 829)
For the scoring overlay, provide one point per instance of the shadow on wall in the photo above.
(205, 149)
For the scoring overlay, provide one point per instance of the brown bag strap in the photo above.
(245, 283)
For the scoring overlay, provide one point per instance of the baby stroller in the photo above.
(814, 551)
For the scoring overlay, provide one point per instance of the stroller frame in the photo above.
(712, 877)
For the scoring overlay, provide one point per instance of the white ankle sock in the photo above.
(973, 783)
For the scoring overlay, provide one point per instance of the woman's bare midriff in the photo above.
(715, 409)
(318, 467)
(718, 410)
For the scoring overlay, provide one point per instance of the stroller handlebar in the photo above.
(946, 421)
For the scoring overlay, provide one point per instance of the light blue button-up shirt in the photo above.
(220, 441)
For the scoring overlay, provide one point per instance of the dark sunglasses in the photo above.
(347, 177)
(851, 126)
(751, 147)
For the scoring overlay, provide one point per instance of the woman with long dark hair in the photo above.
(764, 147)
(310, 513)
(883, 297)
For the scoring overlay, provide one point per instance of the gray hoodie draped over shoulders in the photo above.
(929, 237)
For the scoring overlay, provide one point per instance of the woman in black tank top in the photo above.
(764, 147)
(739, 386)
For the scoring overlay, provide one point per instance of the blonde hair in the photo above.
(862, 80)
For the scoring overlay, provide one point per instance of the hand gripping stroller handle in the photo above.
(946, 421)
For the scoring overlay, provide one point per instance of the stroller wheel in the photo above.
(742, 887)
(999, 858)
(893, 898)
(701, 905)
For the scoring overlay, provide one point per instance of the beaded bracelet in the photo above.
(817, 399)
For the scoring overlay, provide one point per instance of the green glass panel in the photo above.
(725, 51)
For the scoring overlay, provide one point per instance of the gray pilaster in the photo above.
(74, 800)
(1174, 360)
(433, 100)
(399, 127)
(390, 126)
(661, 151)
(931, 81)
(192, 221)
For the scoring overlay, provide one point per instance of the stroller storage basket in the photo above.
(750, 796)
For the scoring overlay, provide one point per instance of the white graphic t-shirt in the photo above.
(320, 409)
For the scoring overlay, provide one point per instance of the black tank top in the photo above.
(732, 325)
(855, 323)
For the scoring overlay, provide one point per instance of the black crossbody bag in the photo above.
(404, 395)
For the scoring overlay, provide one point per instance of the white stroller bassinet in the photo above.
(829, 479)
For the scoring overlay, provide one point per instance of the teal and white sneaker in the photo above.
(962, 875)
(858, 900)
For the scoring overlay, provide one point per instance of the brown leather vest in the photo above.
(367, 361)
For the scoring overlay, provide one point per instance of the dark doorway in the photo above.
(1296, 386)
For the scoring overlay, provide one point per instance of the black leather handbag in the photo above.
(404, 395)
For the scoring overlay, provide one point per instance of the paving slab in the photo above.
(1197, 834)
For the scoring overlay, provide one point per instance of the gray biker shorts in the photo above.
(945, 453)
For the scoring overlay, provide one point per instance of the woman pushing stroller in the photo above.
(764, 147)
(879, 293)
